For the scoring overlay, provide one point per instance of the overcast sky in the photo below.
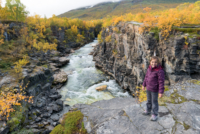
(50, 7)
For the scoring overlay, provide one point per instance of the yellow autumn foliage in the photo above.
(10, 99)
(187, 13)
(80, 38)
(44, 46)
(141, 94)
(108, 38)
(20, 63)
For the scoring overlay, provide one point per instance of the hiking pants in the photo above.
(152, 102)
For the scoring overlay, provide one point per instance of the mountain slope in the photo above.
(101, 10)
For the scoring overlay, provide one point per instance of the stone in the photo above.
(63, 60)
(54, 124)
(53, 67)
(46, 115)
(46, 87)
(72, 51)
(55, 59)
(38, 119)
(59, 102)
(40, 102)
(53, 91)
(60, 77)
(49, 127)
(55, 97)
(55, 117)
(101, 88)
(55, 107)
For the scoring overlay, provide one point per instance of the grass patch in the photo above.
(23, 131)
(197, 82)
(5, 64)
(186, 126)
(166, 88)
(71, 124)
(45, 66)
(174, 98)
(188, 30)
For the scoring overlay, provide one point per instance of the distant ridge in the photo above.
(121, 7)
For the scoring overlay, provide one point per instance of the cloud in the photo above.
(50, 7)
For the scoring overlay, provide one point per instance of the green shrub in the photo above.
(71, 124)
(17, 117)
(5, 64)
(156, 31)
(91, 35)
(188, 30)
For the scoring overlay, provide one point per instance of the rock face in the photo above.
(124, 115)
(44, 113)
(126, 56)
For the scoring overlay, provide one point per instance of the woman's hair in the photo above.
(155, 58)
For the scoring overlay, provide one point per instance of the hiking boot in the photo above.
(146, 113)
(153, 118)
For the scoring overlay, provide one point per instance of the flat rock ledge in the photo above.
(123, 115)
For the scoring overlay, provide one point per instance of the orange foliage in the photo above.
(147, 9)
(8, 100)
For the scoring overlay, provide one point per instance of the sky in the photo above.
(57, 7)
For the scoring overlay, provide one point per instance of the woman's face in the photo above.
(154, 63)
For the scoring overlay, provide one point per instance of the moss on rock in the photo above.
(59, 129)
(71, 124)
(17, 117)
(174, 98)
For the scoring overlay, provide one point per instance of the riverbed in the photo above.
(84, 77)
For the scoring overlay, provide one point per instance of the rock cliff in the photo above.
(126, 54)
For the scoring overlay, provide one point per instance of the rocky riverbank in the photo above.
(124, 53)
(178, 113)
(43, 78)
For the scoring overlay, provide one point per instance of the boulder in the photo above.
(63, 60)
(54, 67)
(55, 59)
(55, 117)
(55, 53)
(101, 88)
(60, 77)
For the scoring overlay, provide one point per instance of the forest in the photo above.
(161, 21)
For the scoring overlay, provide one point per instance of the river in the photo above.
(84, 77)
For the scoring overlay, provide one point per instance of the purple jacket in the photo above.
(154, 79)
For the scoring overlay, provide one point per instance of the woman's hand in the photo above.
(160, 95)
(143, 88)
